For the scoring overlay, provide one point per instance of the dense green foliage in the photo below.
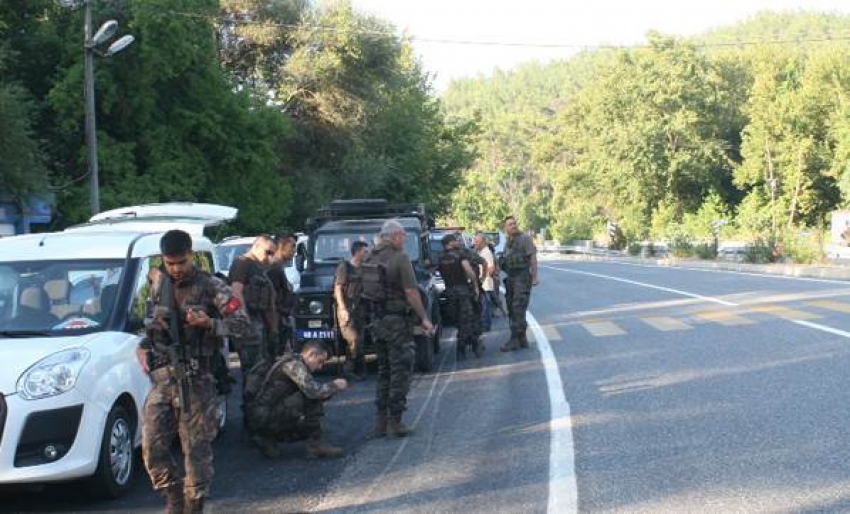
(750, 123)
(273, 107)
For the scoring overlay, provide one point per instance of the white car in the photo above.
(71, 308)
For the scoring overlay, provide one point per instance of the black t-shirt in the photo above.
(242, 269)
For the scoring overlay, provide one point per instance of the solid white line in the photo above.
(563, 490)
(644, 284)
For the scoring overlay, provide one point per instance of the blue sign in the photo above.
(315, 334)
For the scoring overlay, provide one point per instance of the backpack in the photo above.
(373, 277)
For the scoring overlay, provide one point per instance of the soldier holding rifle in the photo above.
(188, 310)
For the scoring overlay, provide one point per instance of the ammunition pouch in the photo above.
(259, 293)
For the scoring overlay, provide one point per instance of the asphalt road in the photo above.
(689, 391)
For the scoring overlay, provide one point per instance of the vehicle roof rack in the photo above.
(368, 208)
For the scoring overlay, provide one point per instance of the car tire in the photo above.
(424, 353)
(116, 459)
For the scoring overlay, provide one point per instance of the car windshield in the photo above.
(336, 246)
(225, 255)
(55, 297)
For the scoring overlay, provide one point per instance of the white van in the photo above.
(71, 308)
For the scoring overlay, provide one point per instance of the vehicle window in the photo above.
(54, 297)
(226, 254)
(336, 246)
(139, 308)
(204, 261)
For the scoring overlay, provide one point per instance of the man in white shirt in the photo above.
(487, 281)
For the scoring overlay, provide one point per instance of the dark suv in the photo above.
(331, 233)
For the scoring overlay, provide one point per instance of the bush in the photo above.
(760, 252)
(634, 249)
(706, 251)
(681, 246)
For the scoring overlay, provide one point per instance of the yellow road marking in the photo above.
(602, 328)
(729, 319)
(831, 305)
(784, 312)
(665, 324)
(551, 333)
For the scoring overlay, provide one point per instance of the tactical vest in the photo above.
(193, 338)
(259, 291)
(451, 268)
(353, 283)
(373, 275)
(261, 394)
(515, 261)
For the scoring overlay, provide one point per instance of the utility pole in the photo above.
(91, 132)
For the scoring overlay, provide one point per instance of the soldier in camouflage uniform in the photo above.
(392, 327)
(462, 287)
(208, 310)
(285, 402)
(251, 284)
(520, 265)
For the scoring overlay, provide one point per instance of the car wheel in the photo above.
(116, 460)
(424, 354)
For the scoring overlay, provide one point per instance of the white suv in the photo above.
(71, 308)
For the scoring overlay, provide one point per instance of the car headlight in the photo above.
(53, 375)
(316, 307)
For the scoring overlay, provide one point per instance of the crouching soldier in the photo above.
(285, 402)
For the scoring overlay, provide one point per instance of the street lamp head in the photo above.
(106, 31)
(120, 44)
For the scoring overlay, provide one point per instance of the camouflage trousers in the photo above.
(164, 420)
(295, 418)
(518, 295)
(468, 318)
(396, 351)
(252, 347)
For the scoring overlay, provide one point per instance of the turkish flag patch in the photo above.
(232, 306)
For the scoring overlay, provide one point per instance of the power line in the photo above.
(732, 41)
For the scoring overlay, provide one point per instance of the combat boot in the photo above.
(396, 428)
(173, 499)
(268, 447)
(193, 505)
(510, 346)
(478, 347)
(317, 448)
(523, 340)
(381, 425)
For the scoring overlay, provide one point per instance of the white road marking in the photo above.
(563, 490)
(644, 284)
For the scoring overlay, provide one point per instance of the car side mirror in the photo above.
(299, 263)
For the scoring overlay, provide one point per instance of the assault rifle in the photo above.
(176, 347)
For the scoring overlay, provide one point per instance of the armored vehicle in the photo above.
(330, 235)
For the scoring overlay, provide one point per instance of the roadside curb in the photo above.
(788, 270)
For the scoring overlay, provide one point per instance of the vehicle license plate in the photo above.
(316, 334)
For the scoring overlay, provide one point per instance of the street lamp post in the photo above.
(91, 133)
(106, 31)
